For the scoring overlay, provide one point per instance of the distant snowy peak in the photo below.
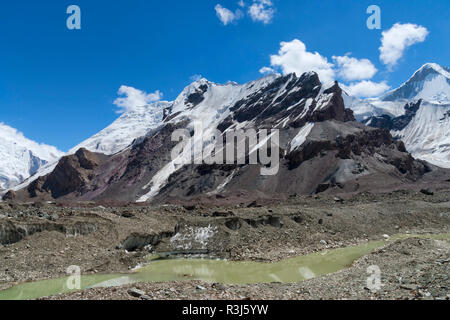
(367, 108)
(418, 113)
(43, 151)
(129, 126)
(431, 83)
(21, 157)
(362, 108)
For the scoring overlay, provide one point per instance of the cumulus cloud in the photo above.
(396, 40)
(261, 11)
(351, 69)
(293, 57)
(266, 70)
(134, 98)
(366, 88)
(227, 16)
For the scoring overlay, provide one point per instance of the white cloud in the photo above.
(227, 16)
(266, 70)
(293, 57)
(135, 98)
(196, 77)
(397, 39)
(366, 89)
(241, 3)
(262, 11)
(353, 69)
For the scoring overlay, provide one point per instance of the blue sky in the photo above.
(58, 86)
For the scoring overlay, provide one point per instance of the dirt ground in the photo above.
(40, 240)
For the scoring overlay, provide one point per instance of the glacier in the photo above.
(21, 157)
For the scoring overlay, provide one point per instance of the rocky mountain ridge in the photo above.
(321, 149)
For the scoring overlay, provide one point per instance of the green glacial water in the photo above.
(227, 272)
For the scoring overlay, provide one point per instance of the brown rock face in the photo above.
(335, 109)
(9, 196)
(36, 187)
(70, 175)
(87, 159)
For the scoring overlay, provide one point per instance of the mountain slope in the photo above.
(122, 132)
(417, 113)
(430, 83)
(428, 134)
(424, 128)
(320, 149)
(114, 138)
(21, 157)
(373, 107)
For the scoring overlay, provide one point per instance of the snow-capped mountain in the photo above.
(427, 135)
(142, 119)
(367, 108)
(417, 113)
(138, 143)
(129, 126)
(21, 157)
(430, 83)
(320, 148)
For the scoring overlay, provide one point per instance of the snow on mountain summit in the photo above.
(431, 83)
(141, 120)
(21, 157)
(122, 132)
(417, 112)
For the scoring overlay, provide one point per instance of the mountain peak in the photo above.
(431, 83)
(445, 71)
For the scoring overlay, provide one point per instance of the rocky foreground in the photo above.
(40, 240)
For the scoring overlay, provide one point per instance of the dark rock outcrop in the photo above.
(197, 97)
(334, 109)
(71, 175)
(9, 196)
(398, 123)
